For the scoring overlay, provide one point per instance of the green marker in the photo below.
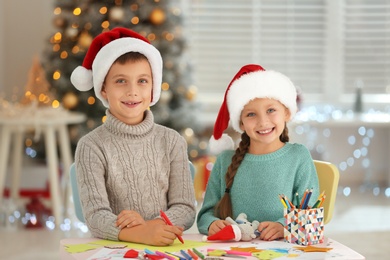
(201, 256)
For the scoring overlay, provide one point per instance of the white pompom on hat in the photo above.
(251, 82)
(104, 50)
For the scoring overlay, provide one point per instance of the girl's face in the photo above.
(128, 89)
(264, 119)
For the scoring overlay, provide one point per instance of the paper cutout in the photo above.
(131, 254)
(79, 248)
(246, 249)
(217, 252)
(108, 254)
(313, 248)
(268, 254)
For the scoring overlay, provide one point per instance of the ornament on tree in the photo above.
(70, 100)
(191, 93)
(71, 32)
(157, 16)
(116, 14)
(85, 40)
(59, 22)
(165, 96)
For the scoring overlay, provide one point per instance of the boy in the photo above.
(130, 168)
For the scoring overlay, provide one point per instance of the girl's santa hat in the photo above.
(231, 232)
(104, 50)
(251, 82)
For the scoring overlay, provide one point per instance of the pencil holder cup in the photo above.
(304, 226)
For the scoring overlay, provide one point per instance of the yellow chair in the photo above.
(328, 176)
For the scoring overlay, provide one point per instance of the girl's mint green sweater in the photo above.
(258, 182)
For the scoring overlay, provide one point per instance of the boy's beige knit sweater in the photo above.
(142, 167)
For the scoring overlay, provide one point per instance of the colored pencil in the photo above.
(186, 256)
(166, 219)
(201, 256)
(283, 202)
(307, 199)
(192, 254)
(303, 198)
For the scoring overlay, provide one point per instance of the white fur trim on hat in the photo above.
(260, 84)
(222, 144)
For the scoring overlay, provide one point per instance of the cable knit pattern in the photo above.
(142, 168)
(258, 182)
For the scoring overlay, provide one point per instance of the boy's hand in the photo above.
(217, 226)
(157, 233)
(153, 232)
(270, 230)
(129, 218)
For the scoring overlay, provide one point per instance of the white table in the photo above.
(13, 128)
(339, 250)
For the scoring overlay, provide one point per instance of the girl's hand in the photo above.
(129, 218)
(217, 226)
(271, 230)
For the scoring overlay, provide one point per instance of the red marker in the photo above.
(166, 219)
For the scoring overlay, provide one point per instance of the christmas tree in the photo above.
(77, 22)
(37, 88)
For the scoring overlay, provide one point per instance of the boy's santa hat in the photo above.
(104, 50)
(231, 232)
(251, 82)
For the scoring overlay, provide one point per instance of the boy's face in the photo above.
(128, 90)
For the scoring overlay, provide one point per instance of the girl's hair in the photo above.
(130, 56)
(224, 207)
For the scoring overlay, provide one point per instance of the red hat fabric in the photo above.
(104, 50)
(252, 81)
(231, 232)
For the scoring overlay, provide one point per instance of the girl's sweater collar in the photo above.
(270, 156)
(139, 131)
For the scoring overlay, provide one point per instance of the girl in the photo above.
(250, 179)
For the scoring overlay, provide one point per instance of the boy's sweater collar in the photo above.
(139, 131)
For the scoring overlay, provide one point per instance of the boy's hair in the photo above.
(130, 56)
(224, 207)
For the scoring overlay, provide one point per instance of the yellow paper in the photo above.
(175, 247)
(79, 248)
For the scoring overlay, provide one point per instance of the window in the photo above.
(326, 47)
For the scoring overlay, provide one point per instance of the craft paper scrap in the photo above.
(175, 247)
(108, 254)
(245, 249)
(268, 254)
(79, 248)
(313, 248)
